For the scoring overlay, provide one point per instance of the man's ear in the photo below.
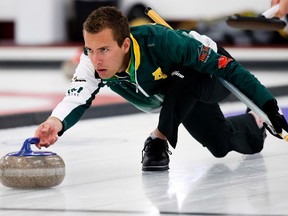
(126, 44)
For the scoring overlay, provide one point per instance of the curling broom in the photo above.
(265, 21)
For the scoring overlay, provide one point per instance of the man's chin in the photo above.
(103, 75)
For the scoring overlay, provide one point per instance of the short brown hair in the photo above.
(108, 17)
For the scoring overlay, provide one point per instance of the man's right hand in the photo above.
(277, 120)
(47, 132)
(283, 10)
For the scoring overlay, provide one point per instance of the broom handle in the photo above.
(155, 17)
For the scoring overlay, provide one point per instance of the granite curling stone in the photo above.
(31, 169)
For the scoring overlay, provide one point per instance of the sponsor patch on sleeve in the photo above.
(77, 79)
(223, 61)
(204, 52)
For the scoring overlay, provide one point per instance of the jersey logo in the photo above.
(158, 74)
(177, 73)
(74, 91)
(77, 79)
(204, 52)
(223, 61)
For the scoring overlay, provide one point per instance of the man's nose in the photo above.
(96, 60)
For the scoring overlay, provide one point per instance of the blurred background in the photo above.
(41, 41)
(50, 22)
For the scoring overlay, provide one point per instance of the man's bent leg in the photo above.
(221, 135)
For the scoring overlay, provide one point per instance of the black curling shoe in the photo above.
(155, 155)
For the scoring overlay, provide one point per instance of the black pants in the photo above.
(193, 101)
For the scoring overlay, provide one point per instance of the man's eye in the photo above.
(104, 50)
(89, 50)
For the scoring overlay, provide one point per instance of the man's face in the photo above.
(105, 54)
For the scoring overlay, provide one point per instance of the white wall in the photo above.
(40, 22)
(7, 10)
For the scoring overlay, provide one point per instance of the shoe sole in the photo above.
(155, 168)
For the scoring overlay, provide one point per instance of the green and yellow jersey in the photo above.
(157, 52)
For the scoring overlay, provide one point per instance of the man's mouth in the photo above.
(101, 71)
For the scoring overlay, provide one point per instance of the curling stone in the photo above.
(31, 169)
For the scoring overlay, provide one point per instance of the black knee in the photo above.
(219, 154)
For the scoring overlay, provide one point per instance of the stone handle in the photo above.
(27, 151)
